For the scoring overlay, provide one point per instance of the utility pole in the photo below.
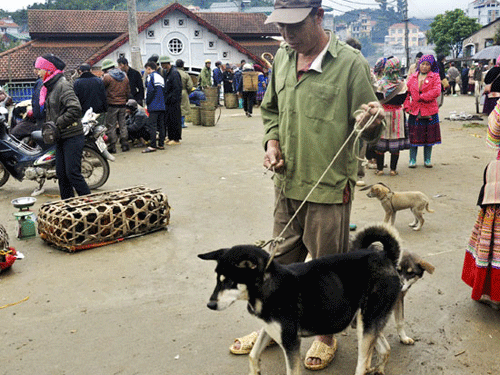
(407, 46)
(135, 50)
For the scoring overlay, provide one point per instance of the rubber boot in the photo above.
(413, 157)
(427, 156)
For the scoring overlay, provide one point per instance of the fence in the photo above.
(19, 91)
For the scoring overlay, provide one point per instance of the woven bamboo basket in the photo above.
(231, 100)
(99, 219)
(211, 94)
(207, 116)
(195, 115)
(4, 238)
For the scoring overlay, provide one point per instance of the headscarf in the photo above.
(53, 66)
(379, 66)
(498, 61)
(257, 68)
(392, 76)
(430, 59)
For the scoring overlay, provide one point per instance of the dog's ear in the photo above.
(381, 183)
(212, 255)
(426, 266)
(247, 264)
(366, 187)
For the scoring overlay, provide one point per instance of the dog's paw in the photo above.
(412, 225)
(407, 340)
(416, 228)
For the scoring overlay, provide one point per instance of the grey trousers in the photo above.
(318, 229)
(116, 115)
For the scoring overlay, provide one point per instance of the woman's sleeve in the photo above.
(493, 132)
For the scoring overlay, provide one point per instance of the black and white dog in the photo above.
(411, 268)
(319, 297)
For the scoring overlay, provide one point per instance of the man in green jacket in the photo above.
(206, 75)
(309, 110)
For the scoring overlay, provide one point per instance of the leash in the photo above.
(357, 130)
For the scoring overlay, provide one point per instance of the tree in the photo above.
(449, 30)
(496, 38)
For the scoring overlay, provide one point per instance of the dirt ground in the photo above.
(139, 307)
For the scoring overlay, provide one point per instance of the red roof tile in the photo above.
(78, 22)
(21, 58)
(240, 23)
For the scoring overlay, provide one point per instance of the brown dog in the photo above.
(392, 202)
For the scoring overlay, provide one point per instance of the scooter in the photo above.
(39, 163)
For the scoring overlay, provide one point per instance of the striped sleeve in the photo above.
(493, 133)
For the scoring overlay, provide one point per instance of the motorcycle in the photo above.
(19, 160)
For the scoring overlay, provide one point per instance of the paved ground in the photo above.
(138, 307)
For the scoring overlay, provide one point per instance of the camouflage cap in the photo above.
(292, 11)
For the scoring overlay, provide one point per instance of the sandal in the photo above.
(322, 351)
(160, 148)
(394, 173)
(379, 173)
(247, 342)
(148, 150)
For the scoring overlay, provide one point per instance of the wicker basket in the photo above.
(4, 238)
(99, 219)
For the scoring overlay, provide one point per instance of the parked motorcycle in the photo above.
(39, 163)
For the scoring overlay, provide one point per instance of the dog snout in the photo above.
(212, 305)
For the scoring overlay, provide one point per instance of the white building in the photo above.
(7, 25)
(484, 11)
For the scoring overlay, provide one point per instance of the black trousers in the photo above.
(173, 121)
(249, 101)
(69, 167)
(156, 123)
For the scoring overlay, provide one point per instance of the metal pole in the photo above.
(407, 47)
(135, 50)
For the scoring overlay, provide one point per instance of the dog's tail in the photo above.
(427, 208)
(384, 233)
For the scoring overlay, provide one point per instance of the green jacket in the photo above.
(206, 77)
(63, 107)
(313, 117)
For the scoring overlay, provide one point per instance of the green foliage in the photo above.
(367, 47)
(496, 37)
(449, 30)
(4, 46)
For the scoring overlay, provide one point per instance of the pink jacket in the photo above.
(425, 100)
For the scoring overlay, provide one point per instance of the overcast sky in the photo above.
(416, 8)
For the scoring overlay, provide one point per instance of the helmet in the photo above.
(107, 64)
(207, 61)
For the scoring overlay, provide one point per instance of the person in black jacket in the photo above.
(134, 80)
(90, 91)
(173, 96)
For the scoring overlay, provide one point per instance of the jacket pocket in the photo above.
(321, 101)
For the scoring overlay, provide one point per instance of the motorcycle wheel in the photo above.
(95, 168)
(4, 175)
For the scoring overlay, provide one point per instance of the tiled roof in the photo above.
(21, 58)
(258, 47)
(4, 23)
(112, 25)
(78, 22)
(240, 23)
(159, 14)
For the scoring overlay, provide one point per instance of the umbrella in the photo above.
(488, 53)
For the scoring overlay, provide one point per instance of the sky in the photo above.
(416, 8)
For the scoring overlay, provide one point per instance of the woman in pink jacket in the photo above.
(424, 87)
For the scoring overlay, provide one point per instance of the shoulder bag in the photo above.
(50, 133)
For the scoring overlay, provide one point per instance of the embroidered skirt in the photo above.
(481, 269)
(423, 132)
(395, 135)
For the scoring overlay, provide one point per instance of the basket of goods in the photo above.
(103, 218)
(8, 254)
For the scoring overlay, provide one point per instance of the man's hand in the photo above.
(273, 159)
(370, 110)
